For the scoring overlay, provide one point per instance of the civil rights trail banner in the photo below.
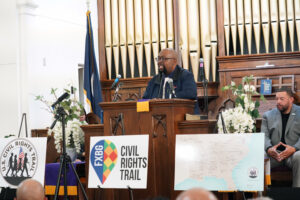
(118, 161)
(20, 159)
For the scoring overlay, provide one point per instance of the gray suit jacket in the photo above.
(272, 127)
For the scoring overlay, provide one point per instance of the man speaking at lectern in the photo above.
(172, 81)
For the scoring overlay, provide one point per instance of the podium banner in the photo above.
(118, 161)
(20, 159)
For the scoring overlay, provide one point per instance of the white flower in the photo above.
(73, 109)
(236, 120)
(252, 88)
(246, 88)
(72, 131)
(240, 119)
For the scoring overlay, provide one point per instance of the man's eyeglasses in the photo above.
(162, 59)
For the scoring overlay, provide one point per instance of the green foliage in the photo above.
(8, 136)
(243, 94)
(72, 106)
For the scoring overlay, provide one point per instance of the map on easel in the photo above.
(220, 162)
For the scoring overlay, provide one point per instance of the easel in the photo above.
(130, 191)
(7, 192)
(26, 132)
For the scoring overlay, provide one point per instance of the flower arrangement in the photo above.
(74, 109)
(241, 119)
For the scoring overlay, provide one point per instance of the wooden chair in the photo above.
(281, 176)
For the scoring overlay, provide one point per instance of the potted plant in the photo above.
(241, 118)
(73, 133)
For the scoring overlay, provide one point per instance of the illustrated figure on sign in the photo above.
(10, 164)
(15, 167)
(25, 165)
(19, 165)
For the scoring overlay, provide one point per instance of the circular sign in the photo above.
(18, 161)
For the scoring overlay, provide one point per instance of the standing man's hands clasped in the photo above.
(280, 156)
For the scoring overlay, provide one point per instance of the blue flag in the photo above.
(92, 87)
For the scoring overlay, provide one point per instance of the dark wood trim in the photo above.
(90, 131)
(153, 102)
(51, 154)
(101, 41)
(257, 57)
(127, 83)
(257, 62)
(251, 68)
(210, 84)
(196, 123)
(212, 90)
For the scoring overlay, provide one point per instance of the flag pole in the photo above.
(88, 4)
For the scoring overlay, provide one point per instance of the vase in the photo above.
(72, 153)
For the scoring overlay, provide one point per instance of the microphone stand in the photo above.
(172, 90)
(205, 83)
(160, 85)
(65, 159)
(116, 94)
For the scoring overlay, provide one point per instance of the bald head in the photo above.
(196, 194)
(171, 52)
(167, 60)
(30, 190)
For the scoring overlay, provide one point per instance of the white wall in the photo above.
(8, 67)
(48, 43)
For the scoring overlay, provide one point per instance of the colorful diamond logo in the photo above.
(103, 158)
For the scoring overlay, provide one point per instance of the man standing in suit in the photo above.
(183, 81)
(172, 80)
(281, 126)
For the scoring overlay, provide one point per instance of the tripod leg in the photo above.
(77, 177)
(58, 177)
(65, 177)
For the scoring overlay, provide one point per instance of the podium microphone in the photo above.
(60, 99)
(202, 74)
(115, 82)
(170, 81)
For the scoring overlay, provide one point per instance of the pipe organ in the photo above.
(136, 30)
(273, 23)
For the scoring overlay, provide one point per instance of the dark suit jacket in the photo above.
(272, 127)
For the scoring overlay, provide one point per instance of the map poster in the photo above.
(220, 162)
(20, 159)
(118, 161)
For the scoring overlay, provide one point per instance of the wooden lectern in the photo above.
(161, 124)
